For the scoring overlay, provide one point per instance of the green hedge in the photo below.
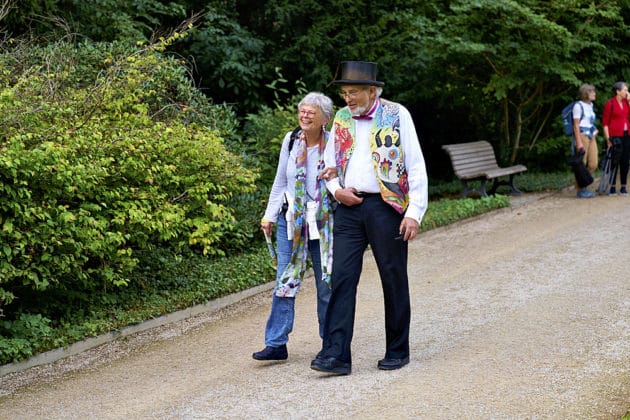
(100, 160)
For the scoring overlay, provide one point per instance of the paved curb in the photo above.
(81, 346)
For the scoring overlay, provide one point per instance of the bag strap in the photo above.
(294, 135)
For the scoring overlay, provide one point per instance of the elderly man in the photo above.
(381, 187)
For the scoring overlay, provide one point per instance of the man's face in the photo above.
(359, 98)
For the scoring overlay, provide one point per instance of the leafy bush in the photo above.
(229, 59)
(96, 165)
(31, 332)
(549, 154)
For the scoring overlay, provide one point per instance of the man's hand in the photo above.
(410, 228)
(348, 197)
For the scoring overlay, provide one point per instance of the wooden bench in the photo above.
(476, 161)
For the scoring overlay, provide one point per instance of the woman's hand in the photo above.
(328, 173)
(266, 227)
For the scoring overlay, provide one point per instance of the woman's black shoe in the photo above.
(272, 353)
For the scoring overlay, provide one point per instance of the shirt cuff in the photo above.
(414, 213)
(333, 186)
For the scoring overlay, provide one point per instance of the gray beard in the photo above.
(358, 111)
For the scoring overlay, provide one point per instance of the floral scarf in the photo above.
(289, 283)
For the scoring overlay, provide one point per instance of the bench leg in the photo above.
(515, 191)
(495, 186)
(468, 190)
(482, 188)
(510, 183)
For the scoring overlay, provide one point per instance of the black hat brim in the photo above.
(359, 82)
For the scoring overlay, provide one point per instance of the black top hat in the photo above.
(358, 73)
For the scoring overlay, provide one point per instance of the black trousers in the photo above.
(376, 223)
(624, 161)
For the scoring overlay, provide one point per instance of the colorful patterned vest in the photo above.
(387, 155)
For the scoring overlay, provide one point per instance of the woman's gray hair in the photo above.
(618, 86)
(585, 91)
(320, 100)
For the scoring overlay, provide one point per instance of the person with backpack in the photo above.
(615, 123)
(584, 140)
(302, 210)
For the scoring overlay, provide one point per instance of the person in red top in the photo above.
(615, 123)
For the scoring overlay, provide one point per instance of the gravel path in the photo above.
(521, 313)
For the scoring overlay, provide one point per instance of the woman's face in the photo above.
(310, 117)
(623, 93)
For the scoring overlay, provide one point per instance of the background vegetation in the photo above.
(138, 140)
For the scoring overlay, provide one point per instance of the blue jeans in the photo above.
(280, 322)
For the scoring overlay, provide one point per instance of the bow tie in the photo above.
(362, 117)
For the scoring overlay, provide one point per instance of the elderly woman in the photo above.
(300, 206)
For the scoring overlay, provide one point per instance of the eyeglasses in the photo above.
(350, 94)
(307, 113)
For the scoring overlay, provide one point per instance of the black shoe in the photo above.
(331, 365)
(272, 353)
(392, 364)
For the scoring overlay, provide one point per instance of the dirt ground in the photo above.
(520, 313)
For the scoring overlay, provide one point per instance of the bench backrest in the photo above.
(471, 159)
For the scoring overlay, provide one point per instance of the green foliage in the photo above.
(100, 20)
(309, 39)
(248, 210)
(30, 332)
(468, 70)
(494, 49)
(263, 134)
(546, 181)
(229, 60)
(549, 154)
(445, 211)
(95, 165)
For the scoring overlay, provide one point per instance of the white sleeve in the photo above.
(415, 166)
(276, 195)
